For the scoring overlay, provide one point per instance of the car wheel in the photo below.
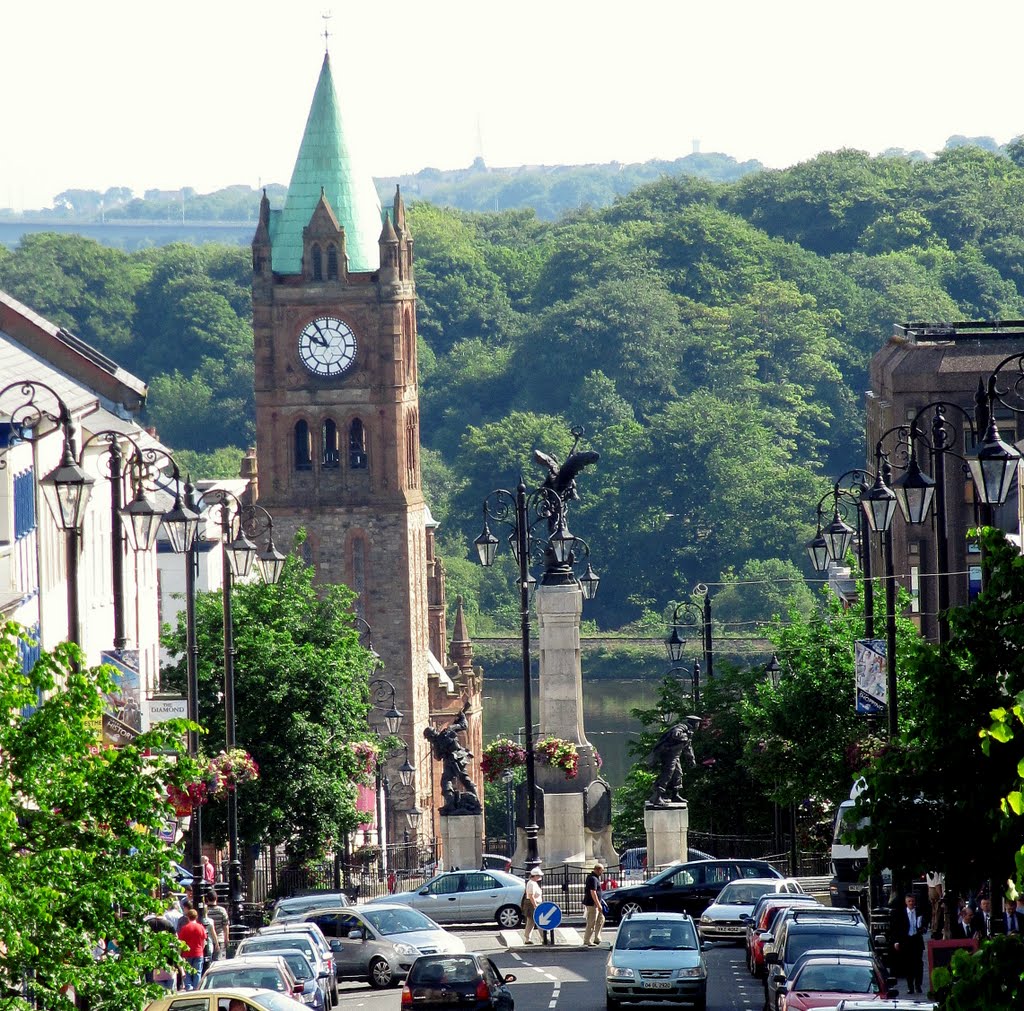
(510, 917)
(335, 996)
(629, 908)
(751, 963)
(381, 975)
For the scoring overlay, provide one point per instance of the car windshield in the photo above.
(298, 963)
(398, 921)
(799, 943)
(738, 893)
(656, 935)
(277, 942)
(277, 1001)
(267, 979)
(836, 978)
(449, 971)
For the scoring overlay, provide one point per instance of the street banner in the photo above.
(871, 669)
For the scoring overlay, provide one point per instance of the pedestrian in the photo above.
(192, 935)
(392, 881)
(209, 871)
(532, 898)
(983, 919)
(908, 927)
(593, 905)
(936, 889)
(965, 929)
(1013, 922)
(218, 917)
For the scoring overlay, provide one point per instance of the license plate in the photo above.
(733, 930)
(657, 986)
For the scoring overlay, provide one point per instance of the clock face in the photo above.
(327, 346)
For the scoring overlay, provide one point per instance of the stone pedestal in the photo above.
(561, 840)
(666, 834)
(462, 840)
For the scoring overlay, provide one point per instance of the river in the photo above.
(606, 719)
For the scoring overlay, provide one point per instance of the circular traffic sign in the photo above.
(547, 915)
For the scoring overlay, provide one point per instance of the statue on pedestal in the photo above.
(666, 756)
(458, 789)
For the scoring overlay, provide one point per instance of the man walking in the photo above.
(593, 905)
(908, 928)
(192, 935)
(218, 917)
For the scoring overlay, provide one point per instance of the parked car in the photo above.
(806, 930)
(887, 1005)
(264, 972)
(469, 982)
(656, 956)
(760, 921)
(725, 919)
(683, 888)
(466, 897)
(295, 905)
(316, 935)
(308, 985)
(278, 944)
(820, 978)
(380, 942)
(221, 999)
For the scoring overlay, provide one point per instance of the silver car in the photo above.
(656, 956)
(380, 942)
(277, 944)
(726, 918)
(467, 897)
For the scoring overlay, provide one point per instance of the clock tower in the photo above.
(337, 408)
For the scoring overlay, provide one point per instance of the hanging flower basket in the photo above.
(366, 753)
(221, 776)
(559, 754)
(501, 756)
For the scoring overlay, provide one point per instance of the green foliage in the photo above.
(760, 592)
(992, 978)
(80, 858)
(938, 768)
(221, 463)
(301, 696)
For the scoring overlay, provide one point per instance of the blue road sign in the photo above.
(547, 915)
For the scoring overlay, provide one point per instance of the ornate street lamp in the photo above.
(838, 536)
(690, 614)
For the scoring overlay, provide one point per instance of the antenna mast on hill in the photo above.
(325, 17)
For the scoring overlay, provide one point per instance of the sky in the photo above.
(207, 94)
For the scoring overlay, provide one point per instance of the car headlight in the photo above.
(406, 949)
(619, 972)
(696, 972)
(706, 921)
(309, 998)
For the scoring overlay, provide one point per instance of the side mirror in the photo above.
(509, 978)
(326, 974)
(705, 946)
(771, 959)
(745, 918)
(298, 988)
(781, 981)
(355, 934)
(423, 891)
(335, 943)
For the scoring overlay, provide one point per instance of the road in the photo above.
(551, 980)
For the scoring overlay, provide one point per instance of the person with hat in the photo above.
(593, 905)
(532, 898)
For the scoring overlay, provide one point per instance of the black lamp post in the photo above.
(383, 698)
(690, 614)
(525, 514)
(693, 676)
(238, 555)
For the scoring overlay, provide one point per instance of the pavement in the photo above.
(566, 939)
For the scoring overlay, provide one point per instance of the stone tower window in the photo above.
(408, 343)
(332, 262)
(411, 442)
(329, 442)
(318, 264)
(303, 447)
(357, 458)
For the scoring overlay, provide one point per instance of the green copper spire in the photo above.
(325, 161)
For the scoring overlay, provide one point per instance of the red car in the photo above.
(761, 920)
(823, 979)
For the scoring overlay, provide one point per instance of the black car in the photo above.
(684, 888)
(468, 982)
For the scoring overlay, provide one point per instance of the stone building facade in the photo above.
(920, 364)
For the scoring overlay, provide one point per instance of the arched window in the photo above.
(318, 266)
(303, 447)
(357, 445)
(329, 442)
(332, 262)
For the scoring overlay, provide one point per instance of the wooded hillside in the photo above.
(712, 338)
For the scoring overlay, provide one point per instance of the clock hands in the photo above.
(319, 338)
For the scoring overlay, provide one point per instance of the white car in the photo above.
(466, 897)
(726, 918)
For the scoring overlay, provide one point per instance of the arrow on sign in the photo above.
(547, 916)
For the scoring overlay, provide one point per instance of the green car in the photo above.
(657, 956)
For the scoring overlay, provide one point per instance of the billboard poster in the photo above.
(122, 721)
(871, 670)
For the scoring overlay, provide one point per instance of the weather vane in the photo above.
(326, 16)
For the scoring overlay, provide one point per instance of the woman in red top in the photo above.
(192, 935)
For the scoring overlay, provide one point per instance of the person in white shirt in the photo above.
(531, 900)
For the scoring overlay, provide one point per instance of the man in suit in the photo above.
(983, 920)
(907, 928)
(1012, 920)
(965, 929)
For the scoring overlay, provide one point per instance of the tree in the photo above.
(301, 697)
(762, 591)
(81, 860)
(938, 769)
